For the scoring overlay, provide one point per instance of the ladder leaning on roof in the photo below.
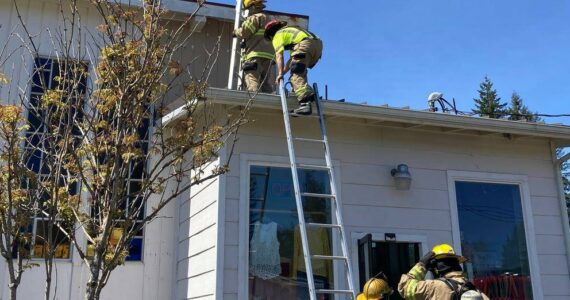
(333, 197)
(240, 15)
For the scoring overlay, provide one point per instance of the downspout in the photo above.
(562, 199)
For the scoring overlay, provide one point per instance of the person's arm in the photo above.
(281, 69)
(287, 66)
(247, 29)
(412, 284)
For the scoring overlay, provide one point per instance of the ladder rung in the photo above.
(329, 257)
(322, 225)
(314, 195)
(309, 140)
(316, 167)
(323, 291)
(313, 115)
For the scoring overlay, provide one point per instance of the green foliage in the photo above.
(489, 104)
(518, 111)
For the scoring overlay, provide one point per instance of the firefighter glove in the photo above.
(428, 260)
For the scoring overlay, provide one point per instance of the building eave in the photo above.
(404, 118)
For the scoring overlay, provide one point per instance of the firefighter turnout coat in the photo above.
(412, 286)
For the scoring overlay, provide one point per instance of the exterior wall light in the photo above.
(402, 177)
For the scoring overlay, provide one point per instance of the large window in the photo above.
(39, 141)
(493, 238)
(46, 76)
(276, 265)
(134, 184)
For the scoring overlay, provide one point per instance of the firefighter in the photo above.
(258, 55)
(450, 282)
(375, 289)
(306, 50)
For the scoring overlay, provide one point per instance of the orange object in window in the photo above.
(116, 235)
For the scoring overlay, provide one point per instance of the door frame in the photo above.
(380, 236)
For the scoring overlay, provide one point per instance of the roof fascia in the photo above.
(424, 118)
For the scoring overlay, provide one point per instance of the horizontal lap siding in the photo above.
(371, 203)
(197, 246)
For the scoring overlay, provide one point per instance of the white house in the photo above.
(488, 187)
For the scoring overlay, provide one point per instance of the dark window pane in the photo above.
(44, 241)
(137, 169)
(135, 251)
(33, 160)
(493, 238)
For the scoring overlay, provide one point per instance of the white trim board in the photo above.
(522, 182)
(247, 160)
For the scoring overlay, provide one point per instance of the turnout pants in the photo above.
(305, 56)
(259, 75)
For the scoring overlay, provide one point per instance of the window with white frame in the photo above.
(493, 237)
(131, 200)
(134, 184)
(47, 74)
(276, 266)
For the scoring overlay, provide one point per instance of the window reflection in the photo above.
(276, 265)
(493, 238)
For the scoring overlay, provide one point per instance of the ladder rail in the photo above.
(338, 203)
(333, 196)
(234, 45)
(240, 13)
(298, 198)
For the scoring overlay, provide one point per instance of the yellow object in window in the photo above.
(90, 250)
(62, 251)
(39, 250)
(319, 243)
(116, 235)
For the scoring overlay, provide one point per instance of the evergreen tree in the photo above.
(518, 111)
(489, 104)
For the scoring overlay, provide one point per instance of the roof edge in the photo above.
(421, 118)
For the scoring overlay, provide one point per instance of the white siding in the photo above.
(155, 277)
(371, 204)
(197, 241)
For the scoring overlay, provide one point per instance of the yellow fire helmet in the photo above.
(445, 250)
(375, 289)
(250, 3)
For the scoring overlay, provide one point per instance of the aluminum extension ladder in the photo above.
(334, 197)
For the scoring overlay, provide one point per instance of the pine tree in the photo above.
(518, 111)
(489, 104)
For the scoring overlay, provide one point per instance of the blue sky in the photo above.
(398, 51)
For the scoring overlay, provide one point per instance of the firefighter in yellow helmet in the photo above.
(375, 289)
(306, 50)
(259, 54)
(449, 282)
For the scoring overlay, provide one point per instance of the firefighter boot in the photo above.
(305, 108)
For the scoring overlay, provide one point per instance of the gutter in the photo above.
(387, 114)
(562, 199)
(558, 133)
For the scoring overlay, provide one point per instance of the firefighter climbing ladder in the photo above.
(334, 197)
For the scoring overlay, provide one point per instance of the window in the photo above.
(493, 237)
(134, 184)
(45, 77)
(276, 265)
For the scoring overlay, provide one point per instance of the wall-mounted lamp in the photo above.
(402, 177)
